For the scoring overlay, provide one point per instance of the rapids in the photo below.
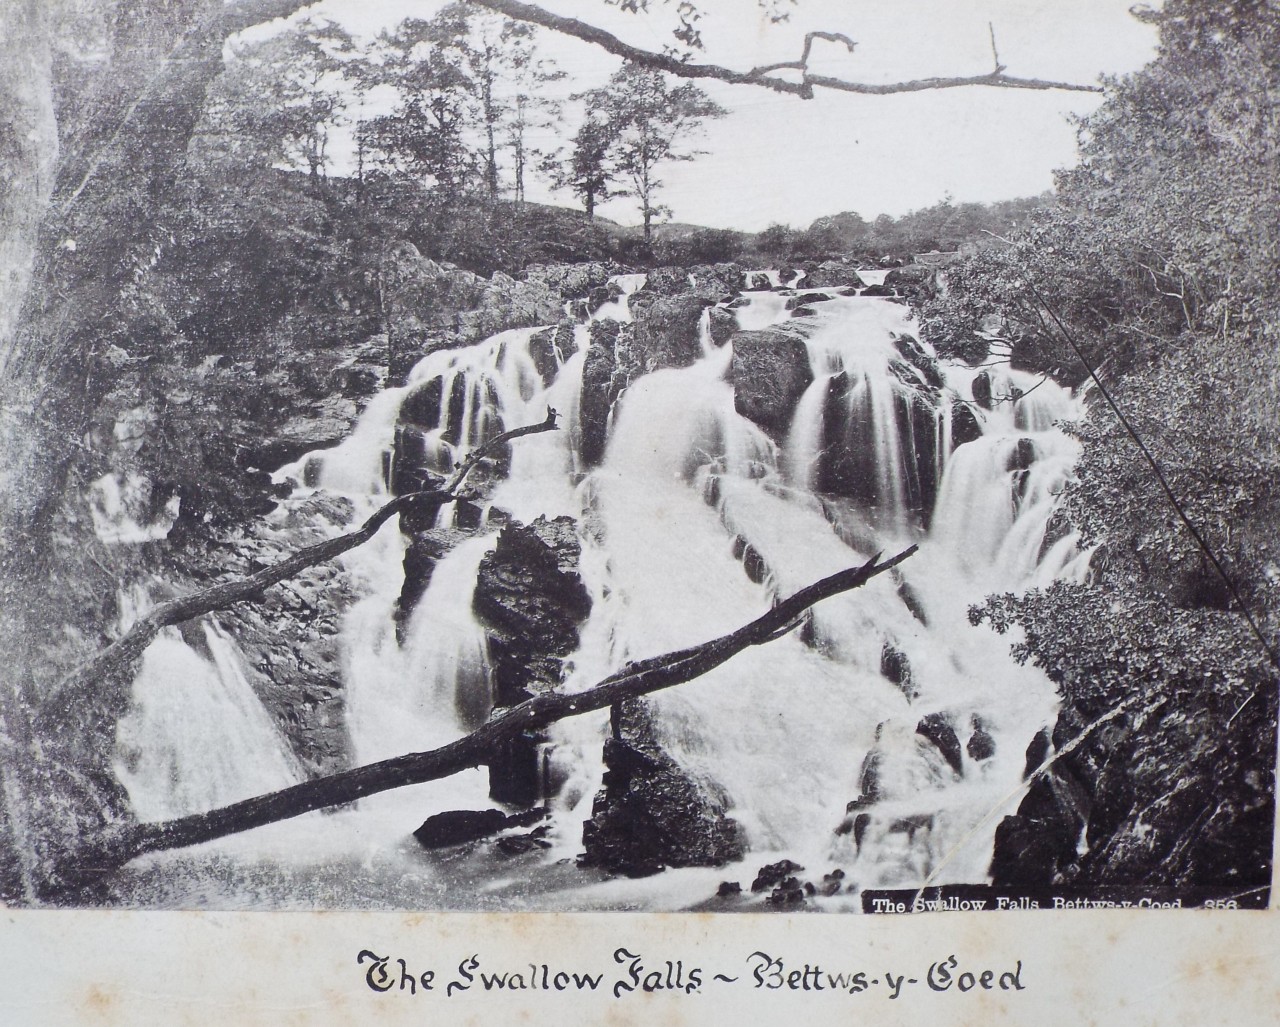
(813, 739)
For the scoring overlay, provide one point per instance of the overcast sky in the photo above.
(777, 158)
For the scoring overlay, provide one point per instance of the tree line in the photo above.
(474, 110)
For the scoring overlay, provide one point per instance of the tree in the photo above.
(278, 99)
(652, 123)
(589, 169)
(426, 135)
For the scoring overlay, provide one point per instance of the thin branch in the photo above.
(129, 646)
(116, 846)
(759, 76)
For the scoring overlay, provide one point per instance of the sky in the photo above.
(780, 159)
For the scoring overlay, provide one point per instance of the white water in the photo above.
(196, 736)
(781, 731)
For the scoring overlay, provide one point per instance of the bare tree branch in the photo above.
(131, 644)
(761, 76)
(117, 846)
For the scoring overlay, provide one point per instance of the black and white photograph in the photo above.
(806, 457)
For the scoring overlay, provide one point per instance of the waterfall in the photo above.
(876, 739)
(196, 736)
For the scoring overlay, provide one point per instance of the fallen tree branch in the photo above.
(117, 846)
(129, 646)
(760, 76)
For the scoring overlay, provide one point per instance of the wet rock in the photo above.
(869, 777)
(550, 348)
(789, 893)
(457, 827)
(833, 273)
(832, 882)
(530, 599)
(965, 426)
(667, 331)
(981, 746)
(769, 373)
(650, 813)
(425, 548)
(895, 666)
(914, 354)
(723, 325)
(878, 291)
(519, 844)
(728, 889)
(981, 388)
(610, 366)
(1038, 750)
(773, 874)
(1028, 853)
(937, 728)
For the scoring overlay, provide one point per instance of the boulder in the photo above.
(651, 814)
(916, 282)
(457, 827)
(611, 364)
(724, 324)
(667, 331)
(937, 728)
(530, 599)
(550, 348)
(769, 373)
(832, 274)
(981, 388)
(965, 426)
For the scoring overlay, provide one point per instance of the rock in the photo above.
(831, 274)
(1028, 853)
(610, 366)
(667, 281)
(895, 666)
(880, 291)
(769, 373)
(981, 746)
(773, 874)
(457, 827)
(937, 728)
(981, 388)
(832, 882)
(530, 598)
(723, 325)
(1038, 750)
(550, 348)
(667, 331)
(789, 893)
(573, 281)
(914, 354)
(916, 282)
(728, 889)
(650, 813)
(965, 426)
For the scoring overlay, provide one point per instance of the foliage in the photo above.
(651, 124)
(1158, 262)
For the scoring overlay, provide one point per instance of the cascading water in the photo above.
(196, 736)
(832, 746)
